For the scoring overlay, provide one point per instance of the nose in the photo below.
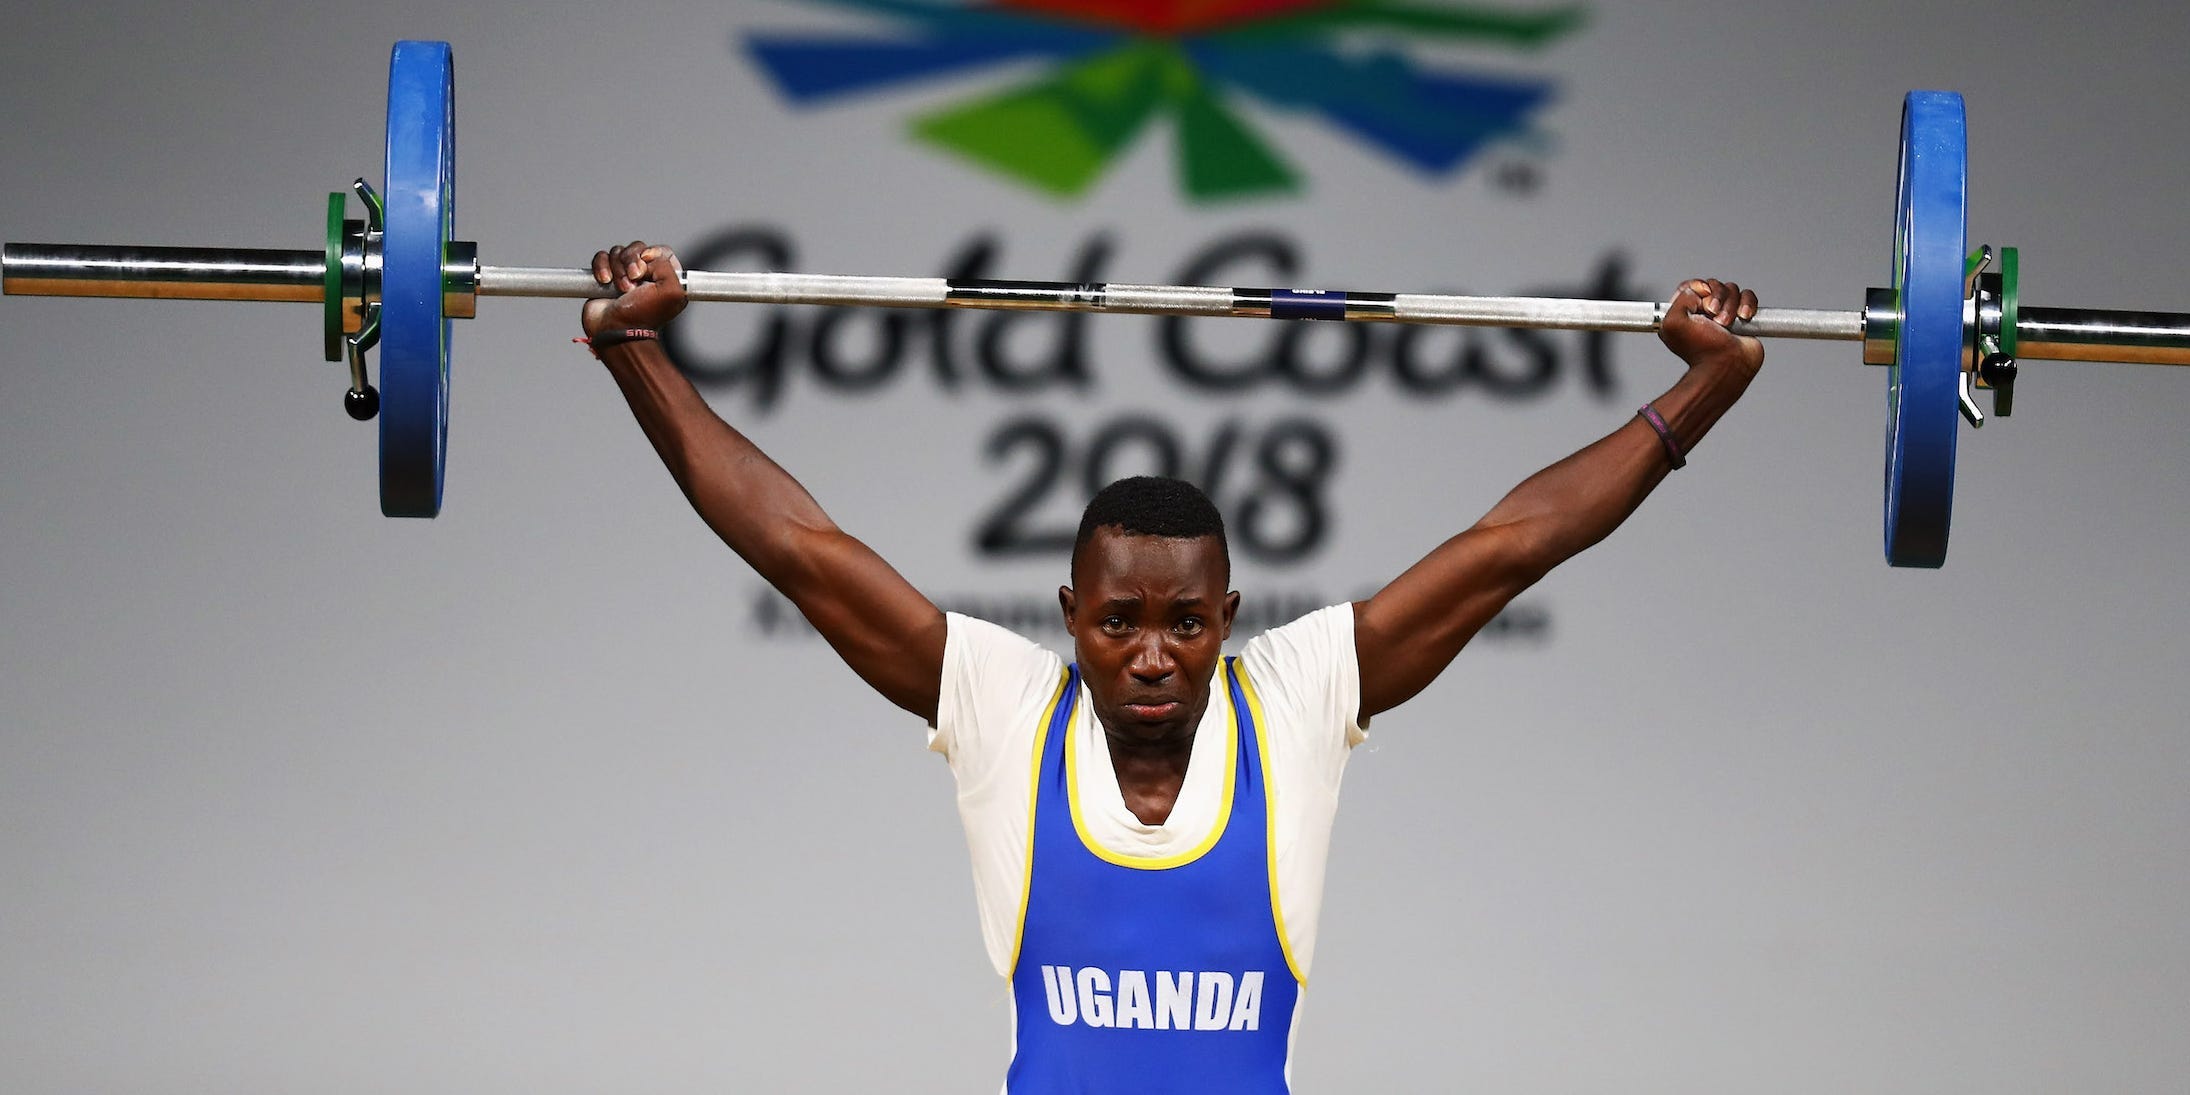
(1151, 662)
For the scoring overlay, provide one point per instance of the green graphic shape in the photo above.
(1219, 156)
(1060, 132)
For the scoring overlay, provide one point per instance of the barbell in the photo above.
(1949, 321)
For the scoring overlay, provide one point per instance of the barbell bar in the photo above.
(1948, 322)
(199, 273)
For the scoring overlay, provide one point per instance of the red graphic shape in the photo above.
(1165, 18)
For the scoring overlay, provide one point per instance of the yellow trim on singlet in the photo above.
(1157, 863)
(1034, 794)
(1269, 809)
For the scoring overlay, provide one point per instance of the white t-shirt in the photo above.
(998, 685)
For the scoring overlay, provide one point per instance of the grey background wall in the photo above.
(541, 797)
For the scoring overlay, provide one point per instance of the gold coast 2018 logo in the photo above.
(1070, 85)
(1116, 66)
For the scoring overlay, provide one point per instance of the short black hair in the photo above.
(1151, 505)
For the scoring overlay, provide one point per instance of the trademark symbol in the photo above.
(1518, 176)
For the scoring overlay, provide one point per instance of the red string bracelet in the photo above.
(608, 339)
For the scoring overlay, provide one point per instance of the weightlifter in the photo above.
(1149, 823)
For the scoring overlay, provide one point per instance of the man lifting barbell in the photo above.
(1148, 864)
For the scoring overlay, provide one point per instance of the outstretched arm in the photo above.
(881, 626)
(1407, 633)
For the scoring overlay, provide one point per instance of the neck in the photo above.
(1169, 747)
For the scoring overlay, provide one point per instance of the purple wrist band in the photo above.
(1665, 436)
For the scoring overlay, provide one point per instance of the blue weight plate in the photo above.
(1930, 224)
(414, 332)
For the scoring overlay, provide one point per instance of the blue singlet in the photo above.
(1152, 976)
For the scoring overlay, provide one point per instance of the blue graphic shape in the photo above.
(1432, 121)
(811, 69)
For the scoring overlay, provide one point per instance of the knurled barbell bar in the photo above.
(1948, 322)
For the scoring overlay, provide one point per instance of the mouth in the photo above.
(1152, 711)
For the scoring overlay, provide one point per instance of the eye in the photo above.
(1114, 624)
(1192, 625)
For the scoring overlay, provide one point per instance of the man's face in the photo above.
(1148, 622)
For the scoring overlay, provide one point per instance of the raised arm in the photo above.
(1407, 633)
(881, 626)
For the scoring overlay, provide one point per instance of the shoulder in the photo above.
(977, 646)
(1308, 679)
(1309, 643)
(993, 678)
